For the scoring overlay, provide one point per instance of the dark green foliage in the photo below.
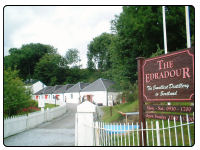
(99, 52)
(139, 33)
(33, 103)
(176, 27)
(75, 75)
(72, 57)
(51, 69)
(133, 95)
(158, 52)
(26, 57)
(16, 96)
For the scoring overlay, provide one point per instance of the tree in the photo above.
(72, 57)
(51, 69)
(176, 28)
(99, 52)
(139, 32)
(25, 58)
(16, 96)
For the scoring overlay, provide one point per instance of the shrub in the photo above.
(16, 96)
(130, 94)
(33, 103)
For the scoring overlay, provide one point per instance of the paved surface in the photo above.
(57, 132)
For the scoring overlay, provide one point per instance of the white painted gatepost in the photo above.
(84, 120)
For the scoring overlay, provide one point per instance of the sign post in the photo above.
(140, 61)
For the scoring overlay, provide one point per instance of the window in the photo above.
(71, 96)
(57, 97)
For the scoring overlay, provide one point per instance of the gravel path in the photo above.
(57, 132)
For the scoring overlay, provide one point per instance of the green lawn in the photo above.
(133, 107)
(132, 138)
(116, 116)
(172, 132)
(50, 106)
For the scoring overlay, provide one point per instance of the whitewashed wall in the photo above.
(98, 96)
(112, 97)
(34, 97)
(35, 119)
(72, 99)
(51, 100)
(22, 123)
(14, 125)
(60, 101)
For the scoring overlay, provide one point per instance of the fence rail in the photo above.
(19, 124)
(156, 133)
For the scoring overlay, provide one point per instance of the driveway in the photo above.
(57, 132)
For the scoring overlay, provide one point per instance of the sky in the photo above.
(63, 27)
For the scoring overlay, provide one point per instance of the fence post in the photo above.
(45, 115)
(84, 124)
(97, 133)
(158, 133)
(27, 122)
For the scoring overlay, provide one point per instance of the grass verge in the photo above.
(116, 116)
(50, 106)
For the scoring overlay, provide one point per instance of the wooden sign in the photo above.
(169, 77)
(168, 116)
(169, 108)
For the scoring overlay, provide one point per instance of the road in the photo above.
(57, 132)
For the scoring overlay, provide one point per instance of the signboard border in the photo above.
(162, 56)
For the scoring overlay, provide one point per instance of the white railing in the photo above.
(156, 133)
(18, 124)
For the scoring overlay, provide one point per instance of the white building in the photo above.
(72, 95)
(53, 94)
(100, 92)
(43, 93)
(35, 86)
(51, 97)
(60, 92)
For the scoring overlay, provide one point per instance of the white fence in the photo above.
(156, 133)
(18, 124)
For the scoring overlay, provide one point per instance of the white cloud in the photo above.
(63, 27)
